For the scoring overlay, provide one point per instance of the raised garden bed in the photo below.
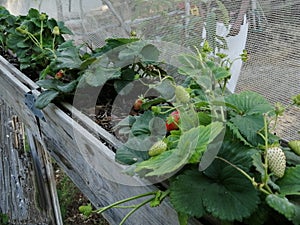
(68, 142)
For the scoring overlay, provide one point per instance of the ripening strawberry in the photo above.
(276, 161)
(137, 104)
(59, 74)
(157, 148)
(173, 121)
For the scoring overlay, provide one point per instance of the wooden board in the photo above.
(86, 160)
(24, 189)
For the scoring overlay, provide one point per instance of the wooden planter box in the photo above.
(75, 145)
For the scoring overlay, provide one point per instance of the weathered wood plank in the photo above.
(18, 190)
(88, 161)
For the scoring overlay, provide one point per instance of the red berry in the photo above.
(173, 121)
(137, 104)
(59, 74)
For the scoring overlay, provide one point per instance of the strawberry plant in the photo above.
(220, 160)
(33, 38)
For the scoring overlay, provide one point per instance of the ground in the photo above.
(71, 199)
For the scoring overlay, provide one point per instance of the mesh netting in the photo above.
(273, 66)
(272, 32)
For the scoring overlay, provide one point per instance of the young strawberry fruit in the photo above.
(157, 148)
(182, 95)
(137, 104)
(276, 161)
(173, 121)
(295, 146)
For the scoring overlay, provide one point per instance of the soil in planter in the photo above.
(71, 199)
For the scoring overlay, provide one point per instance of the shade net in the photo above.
(271, 34)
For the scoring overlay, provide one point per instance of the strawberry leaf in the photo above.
(296, 202)
(144, 131)
(99, 73)
(191, 143)
(68, 56)
(247, 115)
(249, 126)
(187, 192)
(230, 196)
(290, 183)
(281, 205)
(227, 196)
(172, 160)
(127, 155)
(150, 53)
(190, 65)
(249, 102)
(45, 98)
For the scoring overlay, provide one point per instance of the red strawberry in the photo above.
(173, 121)
(59, 74)
(137, 104)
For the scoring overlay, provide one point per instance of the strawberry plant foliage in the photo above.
(240, 178)
(219, 189)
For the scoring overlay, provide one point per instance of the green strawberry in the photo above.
(276, 161)
(295, 146)
(86, 209)
(182, 95)
(157, 148)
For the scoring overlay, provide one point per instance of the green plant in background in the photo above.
(33, 38)
(67, 192)
(4, 219)
(78, 70)
(7, 21)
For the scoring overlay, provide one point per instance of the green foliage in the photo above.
(237, 182)
(226, 194)
(190, 147)
(4, 219)
(282, 205)
(290, 183)
(33, 40)
(67, 193)
(7, 22)
(247, 115)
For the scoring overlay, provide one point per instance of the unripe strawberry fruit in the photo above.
(173, 121)
(295, 146)
(157, 148)
(276, 161)
(182, 95)
(137, 104)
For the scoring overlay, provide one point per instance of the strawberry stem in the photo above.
(135, 209)
(116, 204)
(254, 183)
